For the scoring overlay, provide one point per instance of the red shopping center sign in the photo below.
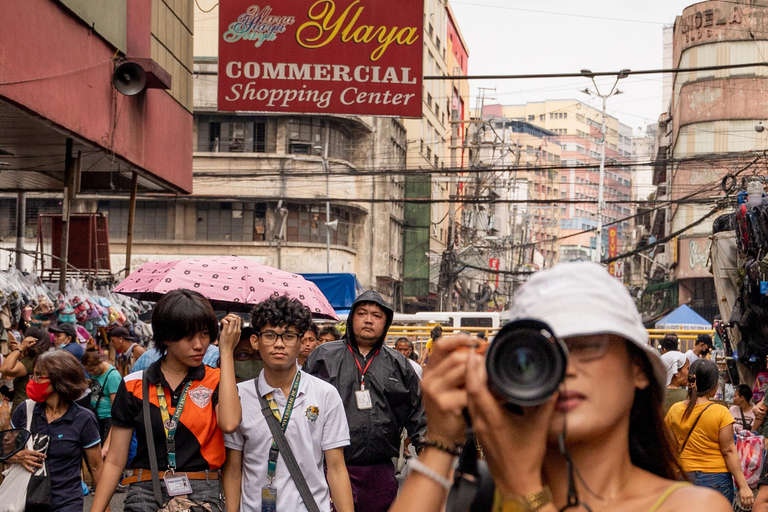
(360, 57)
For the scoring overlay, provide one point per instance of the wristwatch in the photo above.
(530, 502)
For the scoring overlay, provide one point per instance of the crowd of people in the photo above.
(269, 411)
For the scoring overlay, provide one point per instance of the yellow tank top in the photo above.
(672, 488)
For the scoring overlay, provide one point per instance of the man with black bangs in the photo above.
(185, 417)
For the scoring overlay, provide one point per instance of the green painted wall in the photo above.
(108, 18)
(416, 237)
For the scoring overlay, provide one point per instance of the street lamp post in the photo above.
(614, 91)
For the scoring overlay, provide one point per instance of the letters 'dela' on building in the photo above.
(360, 57)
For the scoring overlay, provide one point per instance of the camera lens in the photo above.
(525, 363)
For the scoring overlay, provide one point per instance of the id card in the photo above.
(268, 499)
(177, 485)
(363, 398)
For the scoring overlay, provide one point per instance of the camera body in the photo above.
(525, 363)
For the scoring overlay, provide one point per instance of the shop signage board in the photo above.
(359, 57)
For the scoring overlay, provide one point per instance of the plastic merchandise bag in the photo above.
(751, 449)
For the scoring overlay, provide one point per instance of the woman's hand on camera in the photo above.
(444, 388)
(514, 445)
(230, 332)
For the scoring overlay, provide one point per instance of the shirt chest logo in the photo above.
(312, 412)
(201, 396)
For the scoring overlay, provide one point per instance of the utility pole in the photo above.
(513, 234)
(71, 171)
(327, 170)
(21, 217)
(599, 231)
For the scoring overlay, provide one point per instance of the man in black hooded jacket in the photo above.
(381, 396)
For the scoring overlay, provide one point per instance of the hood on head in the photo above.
(369, 296)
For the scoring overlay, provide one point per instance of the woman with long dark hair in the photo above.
(191, 404)
(599, 444)
(704, 434)
(21, 360)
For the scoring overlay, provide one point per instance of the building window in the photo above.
(235, 222)
(306, 223)
(531, 117)
(150, 222)
(231, 134)
(306, 136)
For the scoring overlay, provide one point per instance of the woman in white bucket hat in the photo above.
(610, 398)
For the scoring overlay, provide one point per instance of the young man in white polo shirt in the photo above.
(316, 427)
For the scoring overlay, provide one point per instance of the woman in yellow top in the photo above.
(704, 434)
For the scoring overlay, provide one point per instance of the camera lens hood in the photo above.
(526, 363)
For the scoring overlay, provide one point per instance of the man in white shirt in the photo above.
(405, 347)
(700, 349)
(311, 409)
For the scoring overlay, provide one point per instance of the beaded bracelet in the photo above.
(419, 467)
(453, 449)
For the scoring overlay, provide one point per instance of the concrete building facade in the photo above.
(709, 130)
(577, 126)
(58, 101)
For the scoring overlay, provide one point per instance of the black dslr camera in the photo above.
(525, 363)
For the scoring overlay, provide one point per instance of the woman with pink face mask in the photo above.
(57, 381)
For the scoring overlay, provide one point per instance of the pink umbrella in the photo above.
(229, 282)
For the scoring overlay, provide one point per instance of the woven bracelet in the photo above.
(453, 449)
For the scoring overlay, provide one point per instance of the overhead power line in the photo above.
(589, 74)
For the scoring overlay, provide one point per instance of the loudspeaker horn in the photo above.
(129, 78)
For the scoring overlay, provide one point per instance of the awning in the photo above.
(340, 289)
(683, 319)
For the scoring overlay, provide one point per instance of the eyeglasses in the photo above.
(246, 356)
(586, 349)
(39, 378)
(270, 337)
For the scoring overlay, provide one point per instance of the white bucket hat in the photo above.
(581, 299)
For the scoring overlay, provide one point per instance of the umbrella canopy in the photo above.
(684, 319)
(228, 282)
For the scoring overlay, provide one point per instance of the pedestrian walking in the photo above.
(701, 349)
(309, 342)
(105, 380)
(20, 362)
(73, 431)
(328, 333)
(405, 347)
(599, 444)
(704, 434)
(677, 366)
(309, 412)
(381, 395)
(126, 349)
(186, 418)
(65, 338)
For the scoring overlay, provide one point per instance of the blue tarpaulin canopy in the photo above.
(683, 319)
(339, 289)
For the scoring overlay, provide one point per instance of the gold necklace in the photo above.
(165, 369)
